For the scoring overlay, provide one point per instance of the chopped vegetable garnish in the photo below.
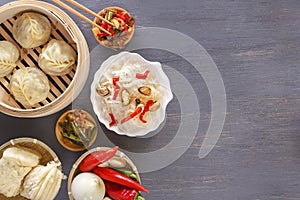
(132, 115)
(121, 30)
(142, 76)
(146, 109)
(78, 128)
(113, 120)
(116, 87)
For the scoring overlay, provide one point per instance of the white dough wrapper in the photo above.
(32, 29)
(8, 57)
(29, 86)
(57, 58)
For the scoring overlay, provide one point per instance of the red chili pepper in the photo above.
(96, 158)
(116, 177)
(116, 86)
(120, 192)
(113, 120)
(146, 109)
(142, 76)
(132, 115)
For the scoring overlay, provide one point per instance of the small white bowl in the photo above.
(158, 77)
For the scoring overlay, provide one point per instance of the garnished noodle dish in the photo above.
(130, 94)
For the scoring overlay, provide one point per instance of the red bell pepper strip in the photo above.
(104, 24)
(120, 192)
(102, 34)
(116, 92)
(115, 80)
(113, 120)
(96, 158)
(132, 115)
(116, 177)
(116, 86)
(126, 29)
(109, 27)
(122, 16)
(112, 32)
(146, 109)
(142, 76)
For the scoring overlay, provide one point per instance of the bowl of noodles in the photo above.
(130, 94)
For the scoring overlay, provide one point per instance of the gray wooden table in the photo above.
(256, 48)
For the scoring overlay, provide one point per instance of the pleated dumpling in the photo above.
(57, 58)
(29, 86)
(9, 55)
(32, 29)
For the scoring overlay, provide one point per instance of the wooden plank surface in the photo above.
(256, 47)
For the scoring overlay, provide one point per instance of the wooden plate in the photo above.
(102, 42)
(66, 143)
(47, 155)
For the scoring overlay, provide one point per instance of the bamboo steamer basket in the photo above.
(63, 89)
(75, 169)
(47, 155)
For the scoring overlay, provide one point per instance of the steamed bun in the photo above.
(8, 57)
(29, 86)
(57, 58)
(32, 30)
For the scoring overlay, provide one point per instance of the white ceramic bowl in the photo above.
(158, 77)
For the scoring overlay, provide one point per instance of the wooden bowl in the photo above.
(65, 142)
(75, 170)
(63, 89)
(47, 155)
(106, 43)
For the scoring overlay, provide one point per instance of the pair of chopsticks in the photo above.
(78, 5)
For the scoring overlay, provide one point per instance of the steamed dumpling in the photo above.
(32, 30)
(9, 55)
(57, 58)
(29, 86)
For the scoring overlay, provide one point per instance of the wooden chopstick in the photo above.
(78, 5)
(80, 15)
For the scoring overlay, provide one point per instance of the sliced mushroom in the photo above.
(145, 90)
(155, 106)
(137, 101)
(125, 97)
(102, 90)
